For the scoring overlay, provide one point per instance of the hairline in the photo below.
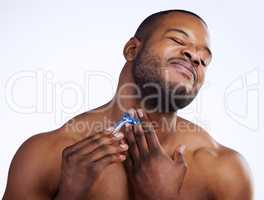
(155, 18)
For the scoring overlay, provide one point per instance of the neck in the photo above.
(127, 96)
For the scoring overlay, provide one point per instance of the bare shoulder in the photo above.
(35, 167)
(222, 160)
(226, 170)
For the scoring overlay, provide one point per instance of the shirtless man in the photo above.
(170, 50)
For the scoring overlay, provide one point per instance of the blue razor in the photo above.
(126, 118)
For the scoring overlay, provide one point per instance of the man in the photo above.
(166, 65)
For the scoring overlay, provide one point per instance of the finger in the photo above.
(130, 139)
(128, 164)
(105, 150)
(178, 156)
(78, 145)
(150, 133)
(84, 142)
(181, 163)
(140, 138)
(98, 142)
(102, 163)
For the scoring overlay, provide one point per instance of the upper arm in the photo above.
(229, 176)
(233, 180)
(30, 171)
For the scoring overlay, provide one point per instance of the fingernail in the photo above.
(182, 148)
(140, 113)
(124, 146)
(122, 157)
(109, 130)
(127, 125)
(119, 136)
(131, 112)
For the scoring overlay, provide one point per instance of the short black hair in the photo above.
(148, 25)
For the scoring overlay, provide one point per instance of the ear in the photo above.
(131, 49)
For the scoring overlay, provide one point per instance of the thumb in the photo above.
(178, 156)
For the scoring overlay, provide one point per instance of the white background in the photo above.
(61, 58)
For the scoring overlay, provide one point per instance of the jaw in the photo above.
(175, 79)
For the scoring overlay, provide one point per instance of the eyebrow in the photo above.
(187, 35)
(177, 30)
(209, 51)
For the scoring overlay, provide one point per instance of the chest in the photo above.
(113, 184)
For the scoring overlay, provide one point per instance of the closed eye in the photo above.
(178, 41)
(203, 63)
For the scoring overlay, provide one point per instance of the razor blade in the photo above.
(126, 118)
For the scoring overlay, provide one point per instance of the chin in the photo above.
(178, 80)
(178, 85)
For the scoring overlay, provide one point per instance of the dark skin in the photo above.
(72, 163)
(83, 162)
(147, 159)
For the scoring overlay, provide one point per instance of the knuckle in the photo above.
(139, 168)
(147, 124)
(93, 168)
(139, 136)
(96, 142)
(67, 158)
(66, 151)
(133, 146)
(112, 148)
(104, 148)
(149, 127)
(110, 140)
(113, 157)
(115, 148)
(71, 158)
(104, 140)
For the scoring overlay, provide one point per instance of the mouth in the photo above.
(184, 67)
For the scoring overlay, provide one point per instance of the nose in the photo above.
(191, 54)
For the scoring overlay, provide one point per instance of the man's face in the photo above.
(171, 65)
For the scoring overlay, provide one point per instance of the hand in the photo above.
(83, 162)
(153, 175)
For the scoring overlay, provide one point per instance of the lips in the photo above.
(185, 67)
